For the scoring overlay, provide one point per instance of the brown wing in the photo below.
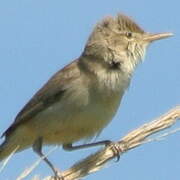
(50, 93)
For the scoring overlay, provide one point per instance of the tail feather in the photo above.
(6, 149)
(18, 140)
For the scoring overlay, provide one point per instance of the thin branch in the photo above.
(29, 170)
(133, 139)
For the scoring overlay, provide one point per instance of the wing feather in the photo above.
(50, 93)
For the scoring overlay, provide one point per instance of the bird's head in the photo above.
(120, 43)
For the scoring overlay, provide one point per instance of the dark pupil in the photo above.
(129, 34)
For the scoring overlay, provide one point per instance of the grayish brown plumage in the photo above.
(82, 98)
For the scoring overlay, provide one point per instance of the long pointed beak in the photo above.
(153, 37)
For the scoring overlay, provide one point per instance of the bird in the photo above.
(80, 100)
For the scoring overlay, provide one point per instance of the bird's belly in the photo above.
(61, 125)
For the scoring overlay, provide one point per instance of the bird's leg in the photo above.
(37, 148)
(115, 147)
(70, 147)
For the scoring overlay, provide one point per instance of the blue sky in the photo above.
(39, 37)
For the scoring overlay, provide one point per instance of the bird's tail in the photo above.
(18, 140)
(7, 148)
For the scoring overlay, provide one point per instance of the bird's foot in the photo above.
(116, 148)
(57, 175)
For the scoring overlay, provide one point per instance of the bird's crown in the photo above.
(120, 23)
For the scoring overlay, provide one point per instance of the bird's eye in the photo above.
(129, 35)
